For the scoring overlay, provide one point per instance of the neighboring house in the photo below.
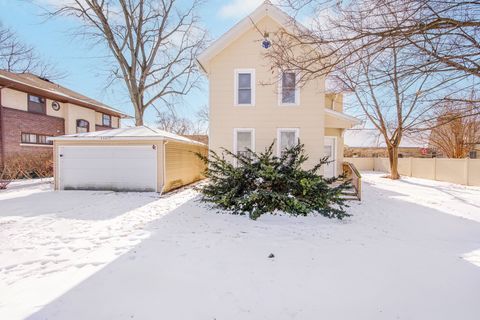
(33, 109)
(368, 143)
(250, 106)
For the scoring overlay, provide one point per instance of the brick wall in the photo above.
(16, 121)
(102, 128)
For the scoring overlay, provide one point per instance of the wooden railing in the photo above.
(351, 173)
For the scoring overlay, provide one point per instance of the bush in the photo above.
(264, 183)
(27, 166)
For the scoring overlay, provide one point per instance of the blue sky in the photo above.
(54, 41)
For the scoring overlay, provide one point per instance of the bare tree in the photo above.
(395, 98)
(445, 31)
(170, 121)
(455, 134)
(16, 56)
(153, 42)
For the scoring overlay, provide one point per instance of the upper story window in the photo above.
(36, 104)
(83, 126)
(287, 138)
(106, 120)
(32, 138)
(244, 141)
(244, 87)
(289, 93)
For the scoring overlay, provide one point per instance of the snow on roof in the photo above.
(48, 87)
(371, 138)
(130, 133)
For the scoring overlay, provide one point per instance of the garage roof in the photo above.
(130, 133)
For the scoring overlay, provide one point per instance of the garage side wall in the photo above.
(182, 166)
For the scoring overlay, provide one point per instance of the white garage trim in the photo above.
(115, 180)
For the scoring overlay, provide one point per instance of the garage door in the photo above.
(118, 168)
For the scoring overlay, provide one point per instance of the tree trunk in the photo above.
(138, 117)
(393, 159)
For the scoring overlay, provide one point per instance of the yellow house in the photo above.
(250, 106)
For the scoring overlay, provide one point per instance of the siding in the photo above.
(182, 166)
(266, 116)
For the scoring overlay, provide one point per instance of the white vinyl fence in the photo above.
(461, 171)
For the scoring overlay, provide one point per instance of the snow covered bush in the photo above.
(259, 183)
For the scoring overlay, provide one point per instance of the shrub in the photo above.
(259, 183)
(27, 166)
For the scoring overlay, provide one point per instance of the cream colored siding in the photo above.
(14, 99)
(115, 122)
(70, 112)
(98, 118)
(182, 166)
(266, 116)
(75, 113)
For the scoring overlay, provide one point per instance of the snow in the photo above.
(411, 250)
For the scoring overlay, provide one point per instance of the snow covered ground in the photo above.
(410, 251)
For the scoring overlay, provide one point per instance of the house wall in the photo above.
(182, 166)
(266, 116)
(17, 121)
(177, 163)
(18, 100)
(461, 171)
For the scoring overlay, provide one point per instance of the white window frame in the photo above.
(235, 89)
(252, 139)
(280, 130)
(280, 90)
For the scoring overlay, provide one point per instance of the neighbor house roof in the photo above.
(130, 133)
(372, 138)
(266, 9)
(31, 83)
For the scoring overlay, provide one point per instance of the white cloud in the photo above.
(239, 8)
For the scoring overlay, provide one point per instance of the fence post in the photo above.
(434, 168)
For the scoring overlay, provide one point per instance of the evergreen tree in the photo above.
(258, 183)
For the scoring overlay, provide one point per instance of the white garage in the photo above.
(119, 168)
(127, 159)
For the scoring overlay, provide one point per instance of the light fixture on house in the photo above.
(55, 105)
(266, 41)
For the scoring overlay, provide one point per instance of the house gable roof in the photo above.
(264, 10)
(31, 83)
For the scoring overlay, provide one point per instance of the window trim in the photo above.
(279, 131)
(36, 143)
(76, 125)
(235, 88)
(280, 91)
(44, 104)
(103, 122)
(252, 139)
